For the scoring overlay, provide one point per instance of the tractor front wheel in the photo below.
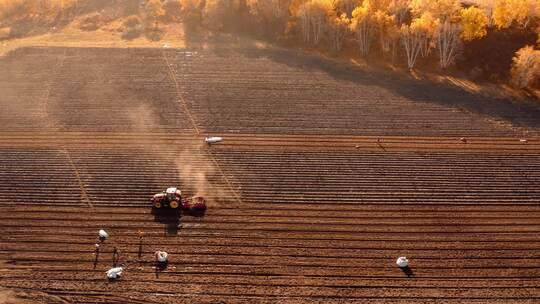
(157, 205)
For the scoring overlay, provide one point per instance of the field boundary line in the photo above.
(274, 142)
(84, 195)
(225, 178)
(186, 108)
(179, 94)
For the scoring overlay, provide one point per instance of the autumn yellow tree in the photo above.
(426, 25)
(488, 6)
(474, 23)
(362, 26)
(410, 37)
(386, 29)
(439, 9)
(346, 6)
(378, 19)
(400, 9)
(502, 15)
(313, 15)
(271, 15)
(448, 42)
(269, 9)
(439, 23)
(525, 67)
(294, 6)
(519, 12)
(337, 30)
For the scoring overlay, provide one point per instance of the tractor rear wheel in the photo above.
(174, 204)
(157, 205)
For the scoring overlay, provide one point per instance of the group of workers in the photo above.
(161, 257)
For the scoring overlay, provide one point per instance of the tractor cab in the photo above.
(173, 194)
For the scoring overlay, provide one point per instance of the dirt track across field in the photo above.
(325, 176)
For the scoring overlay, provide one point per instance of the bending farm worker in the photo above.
(103, 235)
(402, 262)
(161, 256)
(114, 273)
(115, 256)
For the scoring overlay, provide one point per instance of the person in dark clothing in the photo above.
(141, 233)
(115, 256)
(96, 255)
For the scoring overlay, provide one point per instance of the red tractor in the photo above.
(172, 198)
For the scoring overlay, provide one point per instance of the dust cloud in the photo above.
(198, 171)
(195, 168)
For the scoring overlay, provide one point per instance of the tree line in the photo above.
(398, 30)
(401, 31)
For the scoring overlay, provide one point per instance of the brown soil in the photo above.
(325, 176)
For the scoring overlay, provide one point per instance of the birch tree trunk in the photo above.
(363, 31)
(337, 30)
(411, 41)
(305, 24)
(448, 43)
(318, 20)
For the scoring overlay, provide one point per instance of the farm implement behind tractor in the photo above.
(172, 198)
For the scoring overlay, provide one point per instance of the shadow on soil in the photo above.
(520, 113)
(524, 113)
(160, 267)
(171, 218)
(407, 271)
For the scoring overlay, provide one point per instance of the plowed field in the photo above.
(325, 176)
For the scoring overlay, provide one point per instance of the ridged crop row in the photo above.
(331, 230)
(243, 90)
(324, 177)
